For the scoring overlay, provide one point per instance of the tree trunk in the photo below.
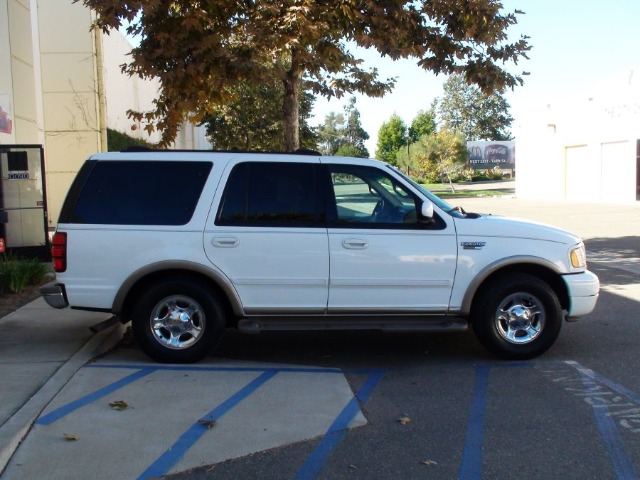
(290, 105)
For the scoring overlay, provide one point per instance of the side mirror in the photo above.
(426, 211)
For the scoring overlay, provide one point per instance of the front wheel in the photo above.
(517, 317)
(178, 321)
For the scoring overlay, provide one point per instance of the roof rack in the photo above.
(139, 148)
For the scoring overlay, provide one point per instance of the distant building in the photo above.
(585, 150)
(60, 89)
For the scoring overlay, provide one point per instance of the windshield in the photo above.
(453, 211)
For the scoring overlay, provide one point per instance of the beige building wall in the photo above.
(61, 87)
(69, 95)
(7, 134)
(18, 73)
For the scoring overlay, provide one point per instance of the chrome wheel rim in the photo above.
(520, 318)
(177, 322)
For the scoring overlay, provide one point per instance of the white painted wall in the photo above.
(123, 92)
(582, 149)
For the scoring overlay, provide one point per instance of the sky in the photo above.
(578, 48)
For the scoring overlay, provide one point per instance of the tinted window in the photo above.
(264, 193)
(141, 193)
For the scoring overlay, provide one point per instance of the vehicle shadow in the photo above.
(350, 350)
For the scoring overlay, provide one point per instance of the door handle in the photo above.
(355, 243)
(225, 242)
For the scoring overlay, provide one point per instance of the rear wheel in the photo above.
(517, 317)
(178, 321)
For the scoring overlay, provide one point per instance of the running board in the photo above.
(387, 324)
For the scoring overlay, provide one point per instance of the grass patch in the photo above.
(443, 190)
(469, 193)
(18, 273)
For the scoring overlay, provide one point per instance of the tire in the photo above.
(178, 321)
(517, 317)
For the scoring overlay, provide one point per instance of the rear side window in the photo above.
(270, 193)
(140, 193)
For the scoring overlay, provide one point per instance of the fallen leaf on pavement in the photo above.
(207, 423)
(404, 420)
(118, 405)
(69, 437)
(430, 462)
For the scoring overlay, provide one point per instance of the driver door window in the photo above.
(367, 198)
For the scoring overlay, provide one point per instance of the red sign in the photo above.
(2, 245)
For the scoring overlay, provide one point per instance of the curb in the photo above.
(18, 426)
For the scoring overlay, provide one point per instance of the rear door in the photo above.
(268, 235)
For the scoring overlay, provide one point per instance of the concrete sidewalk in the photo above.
(40, 350)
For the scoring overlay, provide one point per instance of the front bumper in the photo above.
(54, 294)
(583, 293)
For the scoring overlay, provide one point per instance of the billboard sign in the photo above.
(484, 155)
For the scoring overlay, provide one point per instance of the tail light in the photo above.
(59, 251)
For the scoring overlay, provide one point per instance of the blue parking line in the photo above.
(187, 368)
(471, 465)
(57, 414)
(162, 465)
(318, 458)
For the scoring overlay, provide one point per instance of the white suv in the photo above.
(185, 244)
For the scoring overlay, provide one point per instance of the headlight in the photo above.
(578, 257)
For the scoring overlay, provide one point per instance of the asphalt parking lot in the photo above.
(367, 405)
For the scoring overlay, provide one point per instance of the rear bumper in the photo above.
(55, 295)
(583, 293)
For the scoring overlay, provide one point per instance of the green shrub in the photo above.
(117, 141)
(17, 273)
(495, 173)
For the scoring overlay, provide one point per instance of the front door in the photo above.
(383, 258)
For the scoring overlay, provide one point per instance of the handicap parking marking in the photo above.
(600, 392)
(319, 457)
(142, 372)
(165, 428)
(171, 456)
(57, 414)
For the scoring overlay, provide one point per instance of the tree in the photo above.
(478, 115)
(342, 133)
(198, 49)
(253, 120)
(441, 154)
(331, 133)
(350, 151)
(424, 123)
(356, 135)
(391, 136)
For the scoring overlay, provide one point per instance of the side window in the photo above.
(367, 197)
(270, 193)
(141, 193)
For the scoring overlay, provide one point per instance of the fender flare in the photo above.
(211, 273)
